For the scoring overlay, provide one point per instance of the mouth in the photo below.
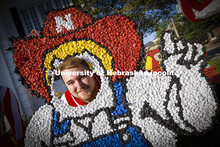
(83, 90)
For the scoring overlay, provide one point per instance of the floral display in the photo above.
(133, 107)
(153, 59)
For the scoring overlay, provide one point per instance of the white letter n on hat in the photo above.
(66, 24)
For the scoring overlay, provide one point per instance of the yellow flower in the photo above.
(58, 94)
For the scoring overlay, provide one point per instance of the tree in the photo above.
(162, 26)
(189, 30)
(146, 13)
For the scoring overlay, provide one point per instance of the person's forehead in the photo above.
(73, 73)
(77, 68)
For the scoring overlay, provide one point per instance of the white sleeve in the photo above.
(39, 128)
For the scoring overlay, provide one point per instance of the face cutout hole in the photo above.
(96, 68)
(59, 87)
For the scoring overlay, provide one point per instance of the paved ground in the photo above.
(217, 56)
(213, 45)
(215, 51)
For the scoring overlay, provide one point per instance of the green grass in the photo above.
(215, 62)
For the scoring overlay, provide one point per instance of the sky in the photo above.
(150, 37)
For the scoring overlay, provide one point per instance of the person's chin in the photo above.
(83, 96)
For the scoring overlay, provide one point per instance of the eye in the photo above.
(83, 77)
(70, 82)
(158, 57)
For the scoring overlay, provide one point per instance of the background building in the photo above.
(19, 18)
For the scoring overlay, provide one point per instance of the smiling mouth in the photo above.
(83, 90)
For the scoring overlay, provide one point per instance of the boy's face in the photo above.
(82, 87)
